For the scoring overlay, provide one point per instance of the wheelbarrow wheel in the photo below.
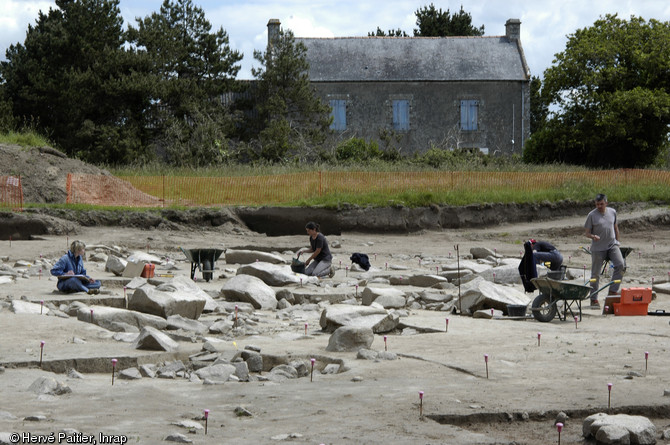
(543, 310)
(207, 270)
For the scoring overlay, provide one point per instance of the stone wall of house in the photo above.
(503, 122)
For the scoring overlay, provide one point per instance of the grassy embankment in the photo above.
(582, 186)
(497, 182)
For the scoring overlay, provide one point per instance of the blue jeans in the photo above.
(554, 257)
(69, 285)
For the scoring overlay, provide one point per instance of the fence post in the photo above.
(20, 195)
(319, 183)
(163, 190)
(68, 189)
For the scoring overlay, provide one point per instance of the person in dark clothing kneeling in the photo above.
(321, 257)
(545, 252)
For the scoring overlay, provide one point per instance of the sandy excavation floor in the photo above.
(371, 402)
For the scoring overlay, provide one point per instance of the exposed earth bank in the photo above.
(44, 171)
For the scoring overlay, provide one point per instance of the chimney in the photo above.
(274, 25)
(512, 29)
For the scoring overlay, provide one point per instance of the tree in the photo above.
(611, 91)
(539, 109)
(436, 23)
(191, 63)
(76, 83)
(191, 67)
(290, 114)
(391, 33)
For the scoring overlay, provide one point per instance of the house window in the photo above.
(339, 114)
(401, 115)
(469, 112)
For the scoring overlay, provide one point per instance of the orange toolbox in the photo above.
(634, 301)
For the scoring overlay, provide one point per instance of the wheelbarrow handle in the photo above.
(592, 280)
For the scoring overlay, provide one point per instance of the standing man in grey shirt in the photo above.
(601, 227)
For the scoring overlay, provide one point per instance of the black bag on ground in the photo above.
(361, 259)
(297, 266)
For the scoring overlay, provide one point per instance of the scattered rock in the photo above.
(481, 252)
(241, 371)
(286, 436)
(115, 265)
(387, 355)
(185, 300)
(35, 418)
(148, 371)
(25, 307)
(249, 289)
(619, 429)
(119, 320)
(487, 313)
(331, 368)
(49, 385)
(284, 371)
(480, 293)
(189, 425)
(178, 322)
(177, 437)
(387, 297)
(217, 373)
(130, 374)
(253, 359)
(153, 339)
(285, 294)
(275, 275)
(252, 256)
(561, 418)
(242, 412)
(350, 338)
(366, 354)
(426, 280)
(375, 318)
(74, 374)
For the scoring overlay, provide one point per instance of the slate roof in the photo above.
(343, 59)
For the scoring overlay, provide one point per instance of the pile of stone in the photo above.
(353, 307)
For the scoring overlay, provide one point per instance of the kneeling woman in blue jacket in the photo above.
(71, 273)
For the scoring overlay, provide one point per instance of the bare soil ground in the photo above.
(371, 402)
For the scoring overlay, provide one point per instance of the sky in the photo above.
(545, 24)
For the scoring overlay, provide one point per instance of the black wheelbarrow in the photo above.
(203, 260)
(552, 292)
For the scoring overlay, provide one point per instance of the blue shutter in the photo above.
(474, 106)
(339, 114)
(401, 115)
(469, 112)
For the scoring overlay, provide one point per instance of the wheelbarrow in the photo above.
(544, 306)
(203, 260)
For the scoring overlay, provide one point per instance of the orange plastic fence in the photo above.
(157, 191)
(106, 190)
(11, 193)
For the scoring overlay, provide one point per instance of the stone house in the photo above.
(450, 92)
